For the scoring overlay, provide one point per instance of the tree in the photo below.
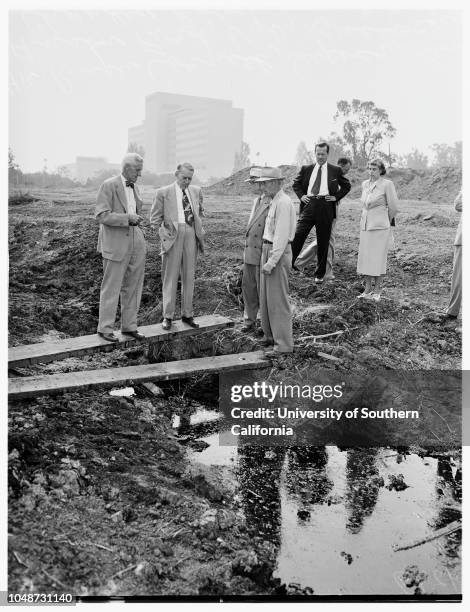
(63, 171)
(303, 156)
(364, 128)
(242, 159)
(133, 147)
(416, 160)
(446, 155)
(14, 172)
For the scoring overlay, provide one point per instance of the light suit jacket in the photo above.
(111, 212)
(379, 204)
(254, 232)
(279, 227)
(164, 215)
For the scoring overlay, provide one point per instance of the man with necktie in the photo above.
(252, 252)
(309, 254)
(176, 213)
(319, 187)
(122, 245)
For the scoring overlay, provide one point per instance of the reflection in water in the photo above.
(259, 470)
(333, 525)
(306, 480)
(362, 486)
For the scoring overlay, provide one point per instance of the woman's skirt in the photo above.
(373, 250)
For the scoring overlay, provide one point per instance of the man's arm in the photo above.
(345, 186)
(103, 209)
(297, 184)
(156, 212)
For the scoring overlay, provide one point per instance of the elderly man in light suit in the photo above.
(252, 252)
(122, 245)
(176, 213)
(276, 258)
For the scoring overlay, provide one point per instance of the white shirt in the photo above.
(131, 205)
(179, 202)
(324, 179)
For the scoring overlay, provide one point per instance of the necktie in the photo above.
(130, 184)
(188, 213)
(317, 183)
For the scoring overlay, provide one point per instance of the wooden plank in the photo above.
(31, 386)
(82, 345)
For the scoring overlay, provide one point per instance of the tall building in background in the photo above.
(203, 131)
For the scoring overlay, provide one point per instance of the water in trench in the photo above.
(334, 523)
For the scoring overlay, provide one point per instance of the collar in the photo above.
(123, 179)
(178, 187)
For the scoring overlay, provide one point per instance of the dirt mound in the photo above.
(438, 185)
(236, 185)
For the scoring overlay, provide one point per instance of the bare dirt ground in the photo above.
(103, 498)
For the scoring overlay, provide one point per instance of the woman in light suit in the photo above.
(379, 207)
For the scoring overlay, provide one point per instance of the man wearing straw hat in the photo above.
(276, 261)
(252, 252)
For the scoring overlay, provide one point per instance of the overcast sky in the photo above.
(78, 80)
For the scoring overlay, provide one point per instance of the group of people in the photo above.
(275, 239)
(274, 242)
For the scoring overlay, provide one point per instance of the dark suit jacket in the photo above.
(338, 184)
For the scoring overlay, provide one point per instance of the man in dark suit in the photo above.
(319, 187)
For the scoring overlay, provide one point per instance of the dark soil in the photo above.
(102, 498)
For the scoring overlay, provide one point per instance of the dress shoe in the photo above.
(247, 328)
(135, 334)
(273, 354)
(166, 324)
(109, 336)
(319, 280)
(190, 321)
